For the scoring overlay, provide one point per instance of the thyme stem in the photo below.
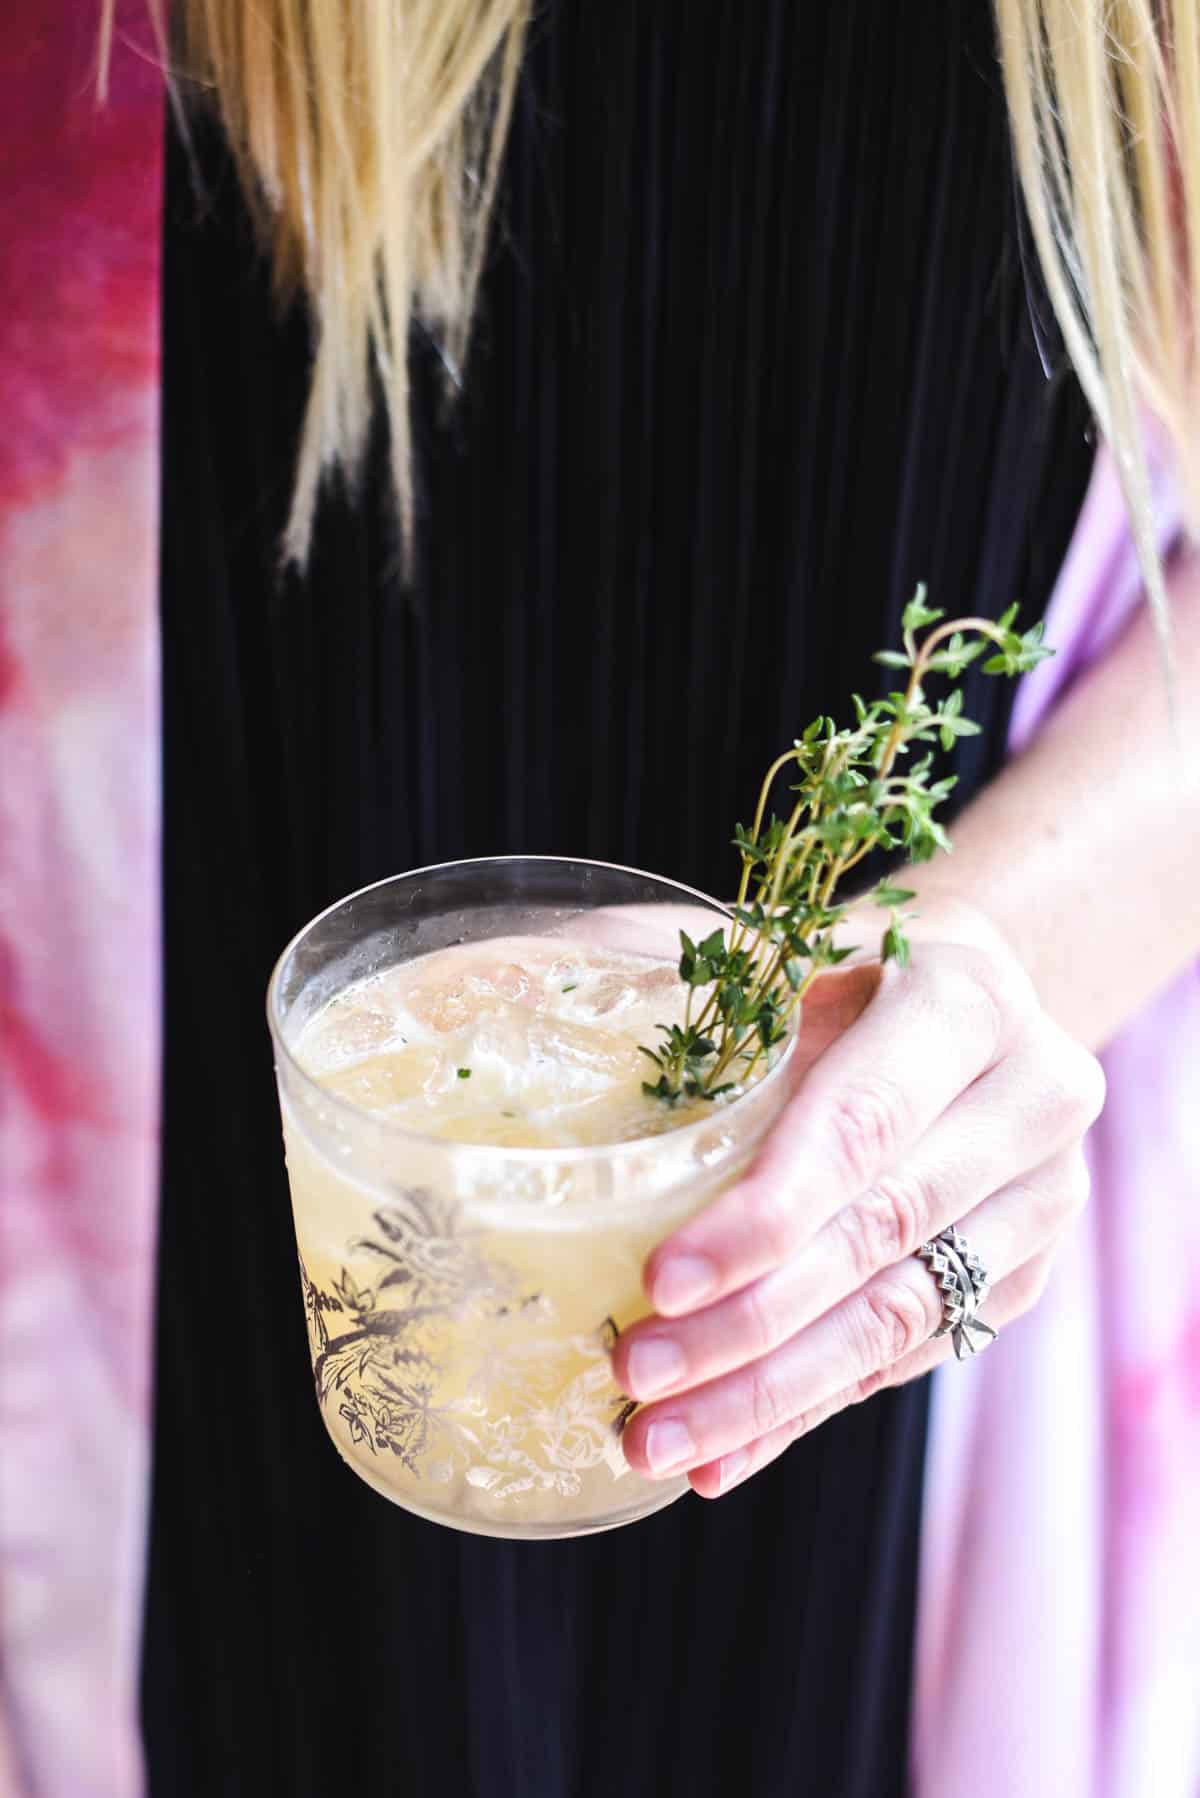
(850, 799)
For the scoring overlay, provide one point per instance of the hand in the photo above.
(934, 1095)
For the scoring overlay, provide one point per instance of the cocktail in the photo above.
(477, 1176)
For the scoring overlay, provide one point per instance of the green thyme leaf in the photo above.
(895, 946)
(917, 614)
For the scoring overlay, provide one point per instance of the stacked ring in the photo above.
(963, 1283)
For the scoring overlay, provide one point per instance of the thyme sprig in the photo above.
(855, 792)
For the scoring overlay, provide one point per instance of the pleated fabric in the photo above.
(753, 358)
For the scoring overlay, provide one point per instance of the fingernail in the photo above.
(683, 1282)
(654, 1364)
(669, 1445)
(733, 1467)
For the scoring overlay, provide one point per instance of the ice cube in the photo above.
(548, 1060)
(382, 1082)
(660, 981)
(348, 1028)
(611, 993)
(459, 998)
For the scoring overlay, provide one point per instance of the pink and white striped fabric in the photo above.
(79, 887)
(1059, 1650)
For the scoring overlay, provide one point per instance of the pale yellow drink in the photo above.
(477, 1179)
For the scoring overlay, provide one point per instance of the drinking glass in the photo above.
(462, 1298)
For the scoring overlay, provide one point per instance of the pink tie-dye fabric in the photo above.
(1059, 1628)
(1058, 1637)
(79, 880)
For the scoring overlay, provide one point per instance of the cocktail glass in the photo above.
(462, 1297)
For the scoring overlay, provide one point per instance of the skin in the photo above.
(958, 1090)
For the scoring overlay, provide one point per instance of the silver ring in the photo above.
(963, 1283)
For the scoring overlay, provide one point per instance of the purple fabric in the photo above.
(1058, 1645)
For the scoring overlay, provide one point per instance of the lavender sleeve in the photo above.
(1058, 1640)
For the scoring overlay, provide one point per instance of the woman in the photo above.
(753, 357)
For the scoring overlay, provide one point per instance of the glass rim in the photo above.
(541, 1155)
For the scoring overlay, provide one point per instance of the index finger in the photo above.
(928, 1032)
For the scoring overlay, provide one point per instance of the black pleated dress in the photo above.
(754, 357)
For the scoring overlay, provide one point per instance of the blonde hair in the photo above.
(1104, 104)
(369, 135)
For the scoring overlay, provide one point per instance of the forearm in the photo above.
(1085, 851)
